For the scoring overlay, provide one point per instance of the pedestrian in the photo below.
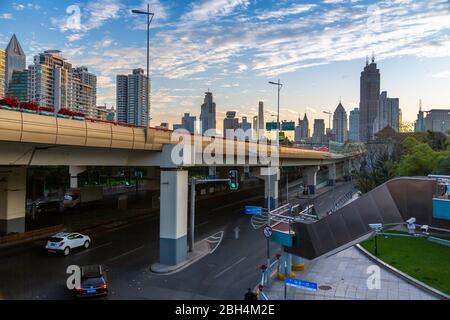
(250, 295)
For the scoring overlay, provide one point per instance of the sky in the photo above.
(234, 47)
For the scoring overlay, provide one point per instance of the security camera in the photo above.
(424, 228)
(376, 226)
(411, 220)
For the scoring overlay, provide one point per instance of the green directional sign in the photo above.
(288, 125)
(271, 126)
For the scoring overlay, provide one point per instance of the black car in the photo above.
(94, 282)
(49, 206)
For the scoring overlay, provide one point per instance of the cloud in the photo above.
(213, 8)
(74, 37)
(6, 16)
(284, 12)
(442, 75)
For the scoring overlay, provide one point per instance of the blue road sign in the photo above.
(301, 284)
(253, 211)
(267, 231)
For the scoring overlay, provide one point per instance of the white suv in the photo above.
(64, 242)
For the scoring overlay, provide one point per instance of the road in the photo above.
(128, 252)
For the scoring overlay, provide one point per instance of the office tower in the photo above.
(2, 72)
(50, 80)
(437, 120)
(84, 92)
(305, 128)
(419, 125)
(261, 116)
(246, 128)
(187, 122)
(15, 60)
(132, 98)
(230, 122)
(245, 125)
(388, 113)
(298, 131)
(208, 113)
(353, 134)
(319, 131)
(18, 85)
(369, 97)
(340, 124)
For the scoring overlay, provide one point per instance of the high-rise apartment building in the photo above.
(187, 122)
(50, 80)
(84, 92)
(2, 72)
(208, 113)
(340, 127)
(388, 113)
(133, 98)
(369, 100)
(353, 134)
(15, 60)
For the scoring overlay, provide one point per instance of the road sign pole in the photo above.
(269, 203)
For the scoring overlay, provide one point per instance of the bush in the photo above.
(10, 102)
(29, 106)
(68, 112)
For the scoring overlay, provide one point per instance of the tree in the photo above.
(443, 167)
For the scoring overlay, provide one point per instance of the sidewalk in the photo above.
(344, 276)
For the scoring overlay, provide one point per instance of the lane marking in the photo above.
(92, 249)
(230, 267)
(126, 253)
(203, 223)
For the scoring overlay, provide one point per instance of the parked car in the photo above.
(94, 282)
(43, 206)
(82, 196)
(64, 242)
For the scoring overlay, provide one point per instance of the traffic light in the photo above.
(233, 175)
(96, 177)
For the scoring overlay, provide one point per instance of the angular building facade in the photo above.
(340, 127)
(208, 113)
(319, 131)
(133, 98)
(15, 59)
(353, 133)
(18, 85)
(369, 100)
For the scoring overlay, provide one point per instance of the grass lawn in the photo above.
(424, 260)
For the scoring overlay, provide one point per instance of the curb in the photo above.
(404, 276)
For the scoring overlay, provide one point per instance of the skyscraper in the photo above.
(369, 98)
(353, 134)
(132, 97)
(15, 59)
(319, 131)
(255, 123)
(84, 92)
(419, 125)
(305, 127)
(2, 72)
(388, 113)
(340, 124)
(261, 116)
(187, 122)
(230, 122)
(50, 80)
(208, 113)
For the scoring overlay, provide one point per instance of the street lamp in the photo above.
(279, 85)
(149, 21)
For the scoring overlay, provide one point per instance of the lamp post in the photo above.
(150, 16)
(279, 85)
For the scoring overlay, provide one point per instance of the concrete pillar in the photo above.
(173, 217)
(74, 172)
(13, 185)
(332, 174)
(271, 177)
(310, 178)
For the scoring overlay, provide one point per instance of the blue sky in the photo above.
(234, 47)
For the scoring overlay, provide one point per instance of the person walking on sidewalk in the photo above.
(250, 295)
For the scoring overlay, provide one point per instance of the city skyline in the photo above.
(112, 43)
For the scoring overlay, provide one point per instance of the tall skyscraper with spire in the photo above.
(340, 124)
(15, 59)
(261, 125)
(208, 113)
(369, 100)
